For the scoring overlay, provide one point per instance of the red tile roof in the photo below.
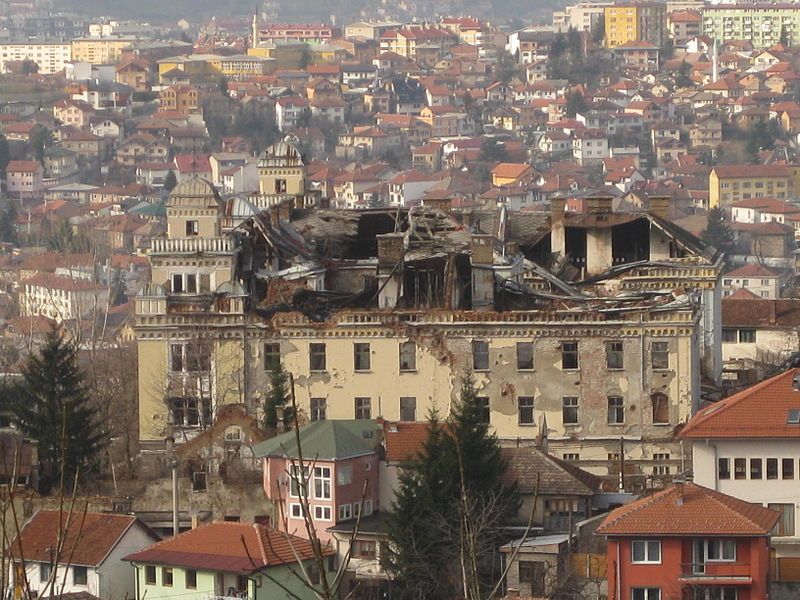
(760, 313)
(87, 540)
(752, 270)
(689, 510)
(23, 166)
(230, 547)
(760, 411)
(726, 171)
(404, 440)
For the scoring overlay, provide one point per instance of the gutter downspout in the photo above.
(618, 586)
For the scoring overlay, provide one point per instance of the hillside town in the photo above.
(420, 306)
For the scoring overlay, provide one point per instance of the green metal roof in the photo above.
(324, 440)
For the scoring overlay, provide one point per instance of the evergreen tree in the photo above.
(52, 406)
(8, 223)
(170, 181)
(575, 103)
(717, 232)
(683, 77)
(493, 151)
(278, 397)
(784, 39)
(427, 510)
(5, 154)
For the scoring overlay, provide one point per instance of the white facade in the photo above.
(113, 578)
(70, 301)
(50, 56)
(750, 344)
(762, 286)
(773, 487)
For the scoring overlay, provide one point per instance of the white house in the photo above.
(91, 557)
(748, 446)
(759, 331)
(761, 281)
(589, 146)
(408, 188)
(61, 298)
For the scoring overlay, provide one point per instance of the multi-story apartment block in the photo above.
(730, 183)
(645, 22)
(304, 32)
(405, 40)
(583, 16)
(683, 25)
(382, 318)
(50, 57)
(100, 50)
(761, 24)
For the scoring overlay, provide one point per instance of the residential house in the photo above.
(180, 98)
(688, 541)
(761, 281)
(340, 482)
(408, 188)
(504, 174)
(228, 560)
(747, 446)
(89, 561)
(61, 297)
(75, 113)
(25, 178)
(706, 132)
(758, 333)
(589, 146)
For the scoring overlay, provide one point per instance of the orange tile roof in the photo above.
(511, 170)
(87, 540)
(689, 510)
(760, 411)
(229, 547)
(404, 440)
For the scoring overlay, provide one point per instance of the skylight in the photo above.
(794, 416)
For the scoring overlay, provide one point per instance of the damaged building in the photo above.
(589, 333)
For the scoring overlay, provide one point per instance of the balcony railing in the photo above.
(243, 596)
(712, 570)
(191, 245)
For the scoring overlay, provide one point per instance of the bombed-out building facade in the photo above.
(588, 333)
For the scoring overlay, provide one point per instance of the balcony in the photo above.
(191, 245)
(732, 573)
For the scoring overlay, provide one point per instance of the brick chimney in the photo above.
(482, 254)
(598, 205)
(558, 239)
(389, 277)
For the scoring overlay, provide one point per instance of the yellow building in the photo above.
(195, 66)
(99, 50)
(281, 171)
(645, 21)
(373, 323)
(731, 183)
(286, 55)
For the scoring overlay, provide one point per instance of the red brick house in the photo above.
(688, 542)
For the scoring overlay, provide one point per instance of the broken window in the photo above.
(176, 357)
(724, 468)
(480, 356)
(525, 408)
(177, 283)
(614, 355)
(659, 355)
(569, 410)
(408, 356)
(280, 186)
(361, 357)
(524, 356)
(192, 228)
(363, 408)
(408, 408)
(616, 410)
(318, 409)
(199, 481)
(316, 357)
(569, 355)
(660, 403)
(272, 356)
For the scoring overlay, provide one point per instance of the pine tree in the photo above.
(52, 406)
(427, 510)
(278, 397)
(170, 181)
(717, 232)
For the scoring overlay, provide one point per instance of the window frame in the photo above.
(362, 352)
(616, 408)
(571, 407)
(322, 481)
(167, 571)
(615, 357)
(573, 353)
(317, 350)
(272, 359)
(361, 404)
(756, 468)
(791, 469)
(404, 409)
(480, 349)
(318, 409)
(187, 584)
(150, 570)
(656, 400)
(771, 470)
(528, 408)
(407, 357)
(663, 354)
(646, 544)
(740, 467)
(530, 363)
(320, 510)
(725, 474)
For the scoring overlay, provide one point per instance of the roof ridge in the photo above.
(629, 509)
(731, 401)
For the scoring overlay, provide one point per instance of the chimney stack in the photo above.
(442, 204)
